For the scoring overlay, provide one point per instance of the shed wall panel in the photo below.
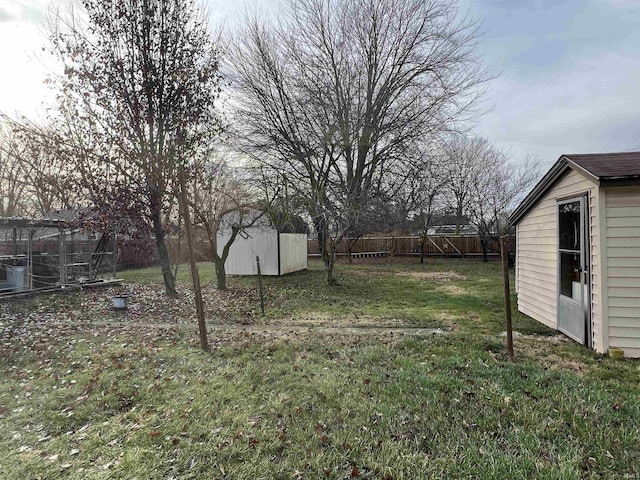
(623, 277)
(623, 268)
(632, 352)
(293, 252)
(257, 241)
(537, 253)
(618, 222)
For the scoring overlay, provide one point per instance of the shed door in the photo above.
(573, 274)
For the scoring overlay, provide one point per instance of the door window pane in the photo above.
(570, 275)
(569, 225)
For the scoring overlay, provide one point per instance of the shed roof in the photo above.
(20, 222)
(609, 166)
(605, 169)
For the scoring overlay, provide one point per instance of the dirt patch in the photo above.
(447, 318)
(323, 319)
(452, 290)
(543, 349)
(435, 276)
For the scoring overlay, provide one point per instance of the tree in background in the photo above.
(333, 95)
(463, 158)
(497, 188)
(136, 101)
(426, 188)
(219, 198)
(34, 178)
(14, 173)
(483, 185)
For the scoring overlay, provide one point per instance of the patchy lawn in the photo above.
(397, 373)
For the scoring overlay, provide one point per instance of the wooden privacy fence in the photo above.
(434, 246)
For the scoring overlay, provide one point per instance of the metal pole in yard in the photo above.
(260, 285)
(60, 261)
(30, 259)
(90, 266)
(114, 254)
(507, 296)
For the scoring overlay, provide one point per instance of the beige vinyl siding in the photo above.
(623, 268)
(598, 285)
(537, 250)
(595, 268)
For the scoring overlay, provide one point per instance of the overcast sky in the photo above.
(567, 71)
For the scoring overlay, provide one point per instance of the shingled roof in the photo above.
(609, 166)
(605, 169)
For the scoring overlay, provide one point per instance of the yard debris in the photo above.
(346, 385)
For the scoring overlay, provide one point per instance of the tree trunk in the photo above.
(221, 274)
(483, 243)
(195, 276)
(458, 218)
(329, 265)
(352, 243)
(423, 241)
(328, 253)
(163, 254)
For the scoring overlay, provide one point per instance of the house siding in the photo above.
(623, 262)
(537, 252)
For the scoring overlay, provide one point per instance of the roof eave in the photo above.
(542, 187)
(620, 181)
(582, 170)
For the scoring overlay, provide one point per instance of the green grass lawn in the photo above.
(87, 393)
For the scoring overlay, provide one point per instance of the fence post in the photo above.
(114, 253)
(260, 285)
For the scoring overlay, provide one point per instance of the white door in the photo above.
(573, 270)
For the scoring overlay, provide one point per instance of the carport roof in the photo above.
(605, 169)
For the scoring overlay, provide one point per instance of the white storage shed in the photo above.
(578, 250)
(280, 253)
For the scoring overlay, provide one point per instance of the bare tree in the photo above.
(14, 173)
(427, 186)
(220, 198)
(464, 158)
(484, 185)
(34, 179)
(137, 99)
(332, 96)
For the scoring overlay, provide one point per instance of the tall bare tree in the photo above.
(332, 96)
(14, 173)
(219, 198)
(496, 191)
(464, 158)
(137, 99)
(483, 185)
(427, 187)
(34, 179)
